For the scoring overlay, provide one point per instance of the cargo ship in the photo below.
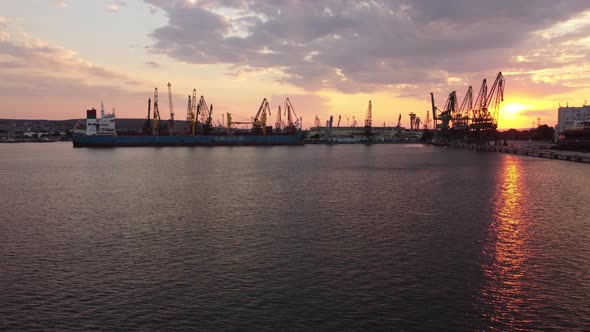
(102, 132)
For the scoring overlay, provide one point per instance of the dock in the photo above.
(582, 157)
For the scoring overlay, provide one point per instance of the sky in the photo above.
(330, 57)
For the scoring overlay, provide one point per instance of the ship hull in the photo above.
(187, 140)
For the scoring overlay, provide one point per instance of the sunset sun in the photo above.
(512, 109)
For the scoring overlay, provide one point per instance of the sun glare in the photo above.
(512, 109)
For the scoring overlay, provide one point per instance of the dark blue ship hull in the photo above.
(187, 140)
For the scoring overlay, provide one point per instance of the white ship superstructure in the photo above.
(105, 126)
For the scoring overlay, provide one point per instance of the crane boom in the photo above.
(279, 122)
(467, 104)
(260, 117)
(148, 123)
(190, 116)
(292, 118)
(434, 118)
(480, 107)
(156, 115)
(194, 112)
(497, 96)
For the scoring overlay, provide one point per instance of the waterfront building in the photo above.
(571, 116)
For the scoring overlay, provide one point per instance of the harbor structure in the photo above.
(351, 134)
(200, 129)
(474, 120)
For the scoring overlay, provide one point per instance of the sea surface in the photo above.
(344, 237)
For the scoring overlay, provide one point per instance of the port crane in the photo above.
(412, 120)
(399, 126)
(369, 116)
(329, 125)
(194, 112)
(369, 137)
(293, 122)
(259, 120)
(461, 118)
(190, 116)
(147, 125)
(205, 113)
(261, 116)
(484, 122)
(156, 115)
(434, 109)
(171, 109)
(496, 96)
(279, 121)
(316, 122)
(339, 117)
(446, 116)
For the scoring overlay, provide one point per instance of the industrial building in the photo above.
(570, 117)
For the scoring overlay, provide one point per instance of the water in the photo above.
(381, 237)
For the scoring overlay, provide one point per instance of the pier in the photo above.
(576, 156)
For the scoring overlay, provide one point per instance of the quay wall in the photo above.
(527, 151)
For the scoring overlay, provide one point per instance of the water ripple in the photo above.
(317, 238)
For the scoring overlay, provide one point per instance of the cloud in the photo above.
(153, 9)
(60, 4)
(4, 35)
(34, 67)
(398, 46)
(115, 6)
(153, 64)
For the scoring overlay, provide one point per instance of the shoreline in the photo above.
(575, 156)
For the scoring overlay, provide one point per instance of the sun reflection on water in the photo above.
(506, 251)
